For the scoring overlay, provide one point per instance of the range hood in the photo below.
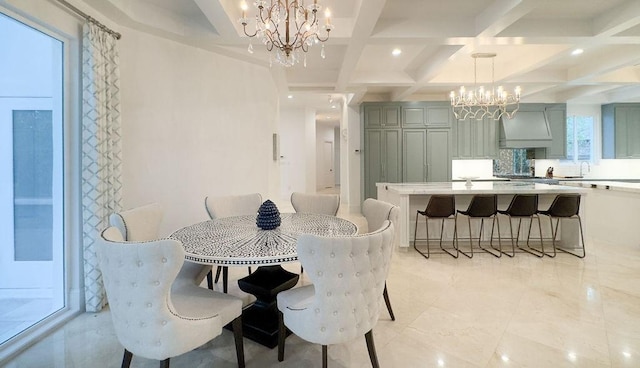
(527, 129)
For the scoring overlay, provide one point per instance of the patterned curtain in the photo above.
(101, 150)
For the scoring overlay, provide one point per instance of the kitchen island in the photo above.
(614, 211)
(415, 196)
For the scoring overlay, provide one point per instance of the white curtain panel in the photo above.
(101, 150)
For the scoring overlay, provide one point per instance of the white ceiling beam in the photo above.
(367, 15)
(618, 19)
(218, 15)
(427, 71)
(591, 68)
(494, 19)
(624, 94)
(500, 15)
(552, 28)
(580, 92)
(356, 96)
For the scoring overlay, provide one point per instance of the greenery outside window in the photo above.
(580, 138)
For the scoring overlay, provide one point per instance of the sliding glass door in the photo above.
(31, 177)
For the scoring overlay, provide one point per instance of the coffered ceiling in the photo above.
(533, 40)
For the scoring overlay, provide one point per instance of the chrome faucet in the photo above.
(588, 167)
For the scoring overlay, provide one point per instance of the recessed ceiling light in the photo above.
(290, 96)
(396, 52)
(577, 52)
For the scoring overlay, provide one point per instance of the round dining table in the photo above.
(238, 241)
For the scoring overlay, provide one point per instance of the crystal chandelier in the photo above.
(289, 27)
(480, 102)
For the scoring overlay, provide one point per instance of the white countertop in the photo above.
(610, 185)
(482, 187)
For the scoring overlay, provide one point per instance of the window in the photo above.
(580, 138)
(32, 285)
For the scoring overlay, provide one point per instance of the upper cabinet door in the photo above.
(633, 133)
(382, 116)
(391, 116)
(462, 139)
(475, 139)
(621, 130)
(439, 116)
(414, 116)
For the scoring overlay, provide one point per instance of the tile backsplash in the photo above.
(512, 161)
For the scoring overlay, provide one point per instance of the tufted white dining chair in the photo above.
(150, 319)
(143, 224)
(324, 204)
(377, 212)
(228, 206)
(343, 303)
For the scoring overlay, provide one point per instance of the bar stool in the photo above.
(523, 206)
(483, 206)
(564, 206)
(439, 207)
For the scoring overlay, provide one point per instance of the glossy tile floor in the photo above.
(480, 312)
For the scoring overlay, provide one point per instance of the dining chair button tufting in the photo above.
(164, 260)
(319, 273)
(333, 255)
(149, 305)
(339, 275)
(140, 263)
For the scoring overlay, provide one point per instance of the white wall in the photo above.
(194, 124)
(310, 150)
(292, 143)
(337, 140)
(351, 185)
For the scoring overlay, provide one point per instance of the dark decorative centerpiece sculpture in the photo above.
(268, 216)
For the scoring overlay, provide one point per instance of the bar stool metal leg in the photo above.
(529, 249)
(555, 234)
(499, 249)
(454, 242)
(584, 252)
